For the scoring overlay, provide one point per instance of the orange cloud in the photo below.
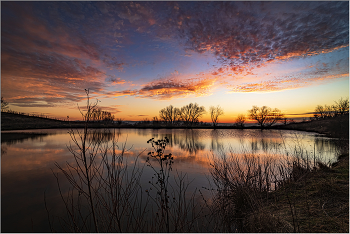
(172, 88)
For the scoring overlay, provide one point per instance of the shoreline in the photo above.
(337, 127)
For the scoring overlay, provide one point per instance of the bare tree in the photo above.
(265, 116)
(4, 104)
(155, 120)
(215, 112)
(191, 113)
(329, 111)
(342, 106)
(240, 120)
(169, 114)
(119, 121)
(319, 112)
(99, 115)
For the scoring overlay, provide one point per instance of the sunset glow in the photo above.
(139, 57)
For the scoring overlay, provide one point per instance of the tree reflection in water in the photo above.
(189, 142)
(216, 144)
(266, 145)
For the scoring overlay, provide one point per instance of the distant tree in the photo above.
(342, 106)
(96, 114)
(265, 116)
(240, 120)
(169, 114)
(107, 116)
(215, 112)
(119, 121)
(146, 121)
(155, 120)
(191, 113)
(319, 112)
(99, 115)
(328, 111)
(4, 104)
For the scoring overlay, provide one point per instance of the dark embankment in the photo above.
(10, 121)
(317, 202)
(333, 127)
(262, 196)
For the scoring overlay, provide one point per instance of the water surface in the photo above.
(27, 166)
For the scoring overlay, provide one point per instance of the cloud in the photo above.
(52, 51)
(113, 62)
(115, 80)
(247, 36)
(113, 108)
(244, 35)
(284, 83)
(49, 60)
(173, 87)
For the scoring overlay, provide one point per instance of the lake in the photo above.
(27, 165)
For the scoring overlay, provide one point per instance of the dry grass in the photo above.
(319, 201)
(256, 195)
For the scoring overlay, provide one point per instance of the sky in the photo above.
(139, 57)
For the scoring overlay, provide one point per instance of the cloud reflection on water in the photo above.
(28, 165)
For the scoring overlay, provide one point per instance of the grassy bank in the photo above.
(257, 195)
(333, 127)
(316, 202)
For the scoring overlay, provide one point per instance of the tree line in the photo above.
(189, 115)
(100, 115)
(264, 116)
(341, 107)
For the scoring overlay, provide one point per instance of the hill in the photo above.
(333, 127)
(11, 121)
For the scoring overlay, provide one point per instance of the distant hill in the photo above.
(333, 127)
(11, 121)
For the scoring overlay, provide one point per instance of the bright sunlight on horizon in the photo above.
(137, 58)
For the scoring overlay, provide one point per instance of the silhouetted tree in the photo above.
(99, 115)
(169, 114)
(319, 112)
(119, 121)
(155, 120)
(240, 120)
(215, 112)
(265, 116)
(329, 111)
(4, 104)
(191, 113)
(342, 106)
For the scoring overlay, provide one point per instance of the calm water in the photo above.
(27, 166)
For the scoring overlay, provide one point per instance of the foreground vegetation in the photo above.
(317, 202)
(257, 195)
